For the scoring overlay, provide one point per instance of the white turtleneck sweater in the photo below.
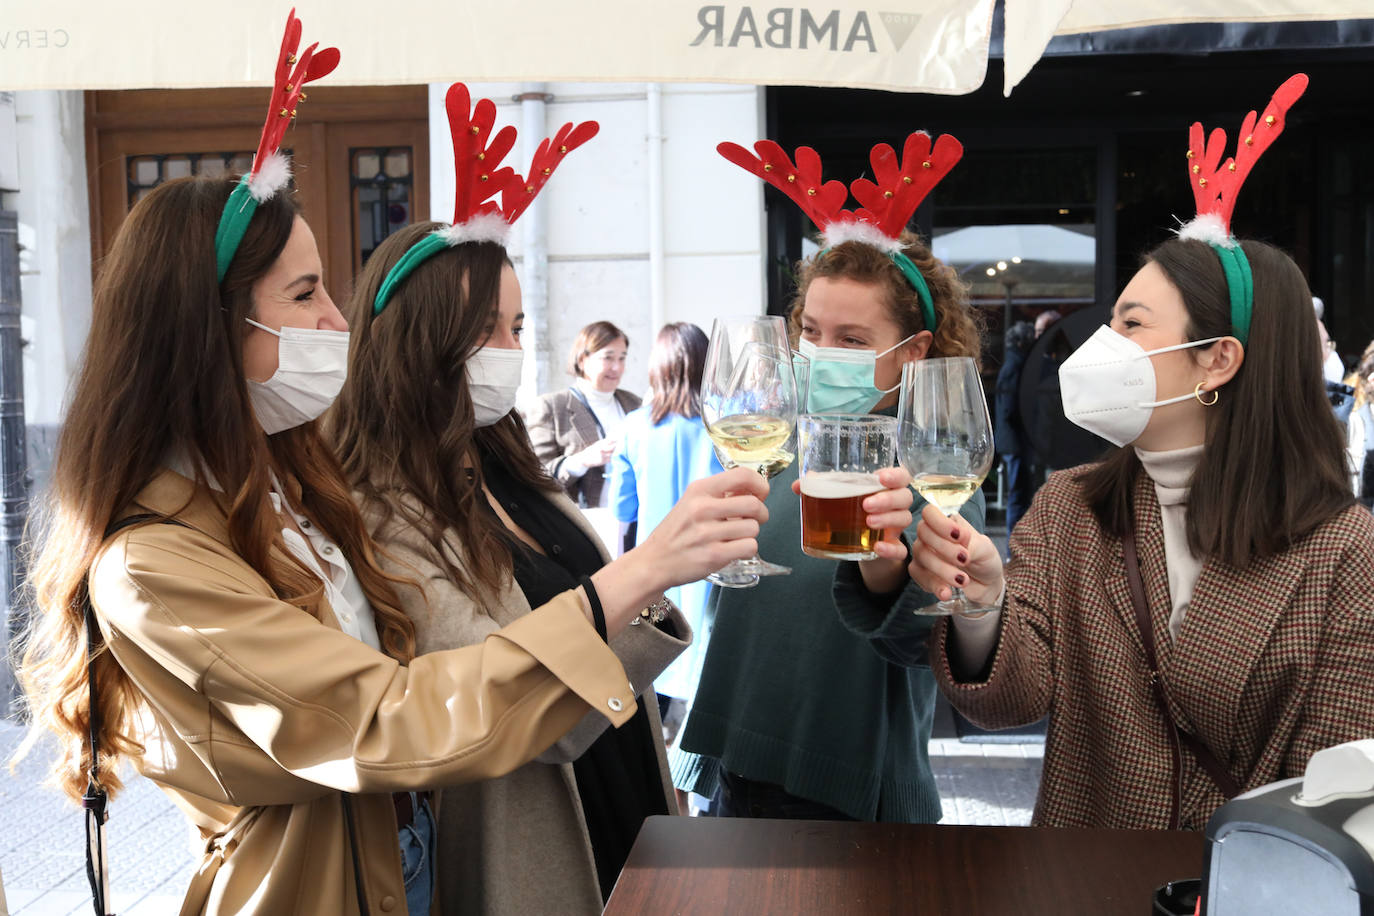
(1172, 474)
(608, 413)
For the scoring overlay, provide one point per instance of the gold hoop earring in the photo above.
(1198, 392)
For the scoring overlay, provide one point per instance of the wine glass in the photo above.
(944, 441)
(749, 406)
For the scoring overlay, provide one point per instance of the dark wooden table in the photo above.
(725, 865)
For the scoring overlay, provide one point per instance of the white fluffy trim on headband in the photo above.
(485, 227)
(274, 175)
(1207, 228)
(856, 231)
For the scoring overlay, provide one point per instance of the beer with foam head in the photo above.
(833, 519)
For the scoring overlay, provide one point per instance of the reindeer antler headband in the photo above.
(271, 170)
(1215, 186)
(480, 176)
(886, 203)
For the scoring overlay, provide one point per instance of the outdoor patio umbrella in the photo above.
(937, 46)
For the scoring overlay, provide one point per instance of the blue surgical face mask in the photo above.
(842, 380)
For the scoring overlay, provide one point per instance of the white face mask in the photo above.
(311, 368)
(493, 377)
(842, 379)
(1108, 385)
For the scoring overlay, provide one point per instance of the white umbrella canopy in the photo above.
(1030, 24)
(936, 46)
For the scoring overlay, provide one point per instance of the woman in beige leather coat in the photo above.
(253, 656)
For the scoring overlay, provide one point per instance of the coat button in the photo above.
(615, 704)
(328, 550)
(388, 903)
(555, 550)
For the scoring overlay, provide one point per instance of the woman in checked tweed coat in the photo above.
(1258, 570)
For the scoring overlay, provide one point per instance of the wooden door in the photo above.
(360, 158)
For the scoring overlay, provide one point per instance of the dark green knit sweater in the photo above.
(812, 683)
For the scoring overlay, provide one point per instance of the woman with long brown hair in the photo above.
(1193, 613)
(253, 657)
(451, 488)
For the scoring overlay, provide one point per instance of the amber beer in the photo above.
(833, 516)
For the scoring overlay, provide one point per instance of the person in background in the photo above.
(1360, 429)
(1008, 434)
(1340, 395)
(663, 448)
(575, 431)
(1045, 320)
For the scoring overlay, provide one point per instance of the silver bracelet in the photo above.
(655, 613)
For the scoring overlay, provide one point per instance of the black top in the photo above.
(617, 777)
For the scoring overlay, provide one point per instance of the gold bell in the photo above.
(1269, 119)
(906, 179)
(926, 164)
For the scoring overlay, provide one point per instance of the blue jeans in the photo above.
(417, 857)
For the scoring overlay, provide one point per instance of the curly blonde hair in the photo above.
(958, 327)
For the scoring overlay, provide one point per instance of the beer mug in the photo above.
(841, 455)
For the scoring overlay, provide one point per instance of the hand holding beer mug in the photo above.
(945, 443)
(841, 455)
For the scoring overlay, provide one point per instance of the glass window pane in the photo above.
(398, 163)
(176, 167)
(211, 167)
(146, 172)
(366, 165)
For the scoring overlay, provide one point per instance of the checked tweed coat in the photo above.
(1272, 662)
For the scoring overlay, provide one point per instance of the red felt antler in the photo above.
(822, 201)
(1215, 183)
(902, 184)
(885, 205)
(477, 165)
(286, 89)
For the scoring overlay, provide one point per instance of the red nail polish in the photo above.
(959, 579)
(954, 535)
(963, 558)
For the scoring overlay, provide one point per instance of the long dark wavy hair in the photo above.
(162, 379)
(1273, 467)
(404, 426)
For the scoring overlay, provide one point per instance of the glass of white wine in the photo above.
(944, 441)
(749, 405)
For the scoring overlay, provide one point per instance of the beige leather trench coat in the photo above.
(264, 720)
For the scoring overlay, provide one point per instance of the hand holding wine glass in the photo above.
(944, 441)
(749, 406)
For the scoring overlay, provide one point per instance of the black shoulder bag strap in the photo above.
(96, 799)
(1178, 738)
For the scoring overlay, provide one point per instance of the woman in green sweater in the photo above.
(802, 712)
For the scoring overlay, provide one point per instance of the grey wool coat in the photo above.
(1272, 662)
(561, 425)
(517, 844)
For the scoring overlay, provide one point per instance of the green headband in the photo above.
(918, 283)
(233, 223)
(415, 255)
(1240, 283)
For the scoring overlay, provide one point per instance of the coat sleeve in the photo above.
(890, 622)
(543, 430)
(1017, 688)
(1340, 703)
(624, 495)
(321, 708)
(454, 619)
